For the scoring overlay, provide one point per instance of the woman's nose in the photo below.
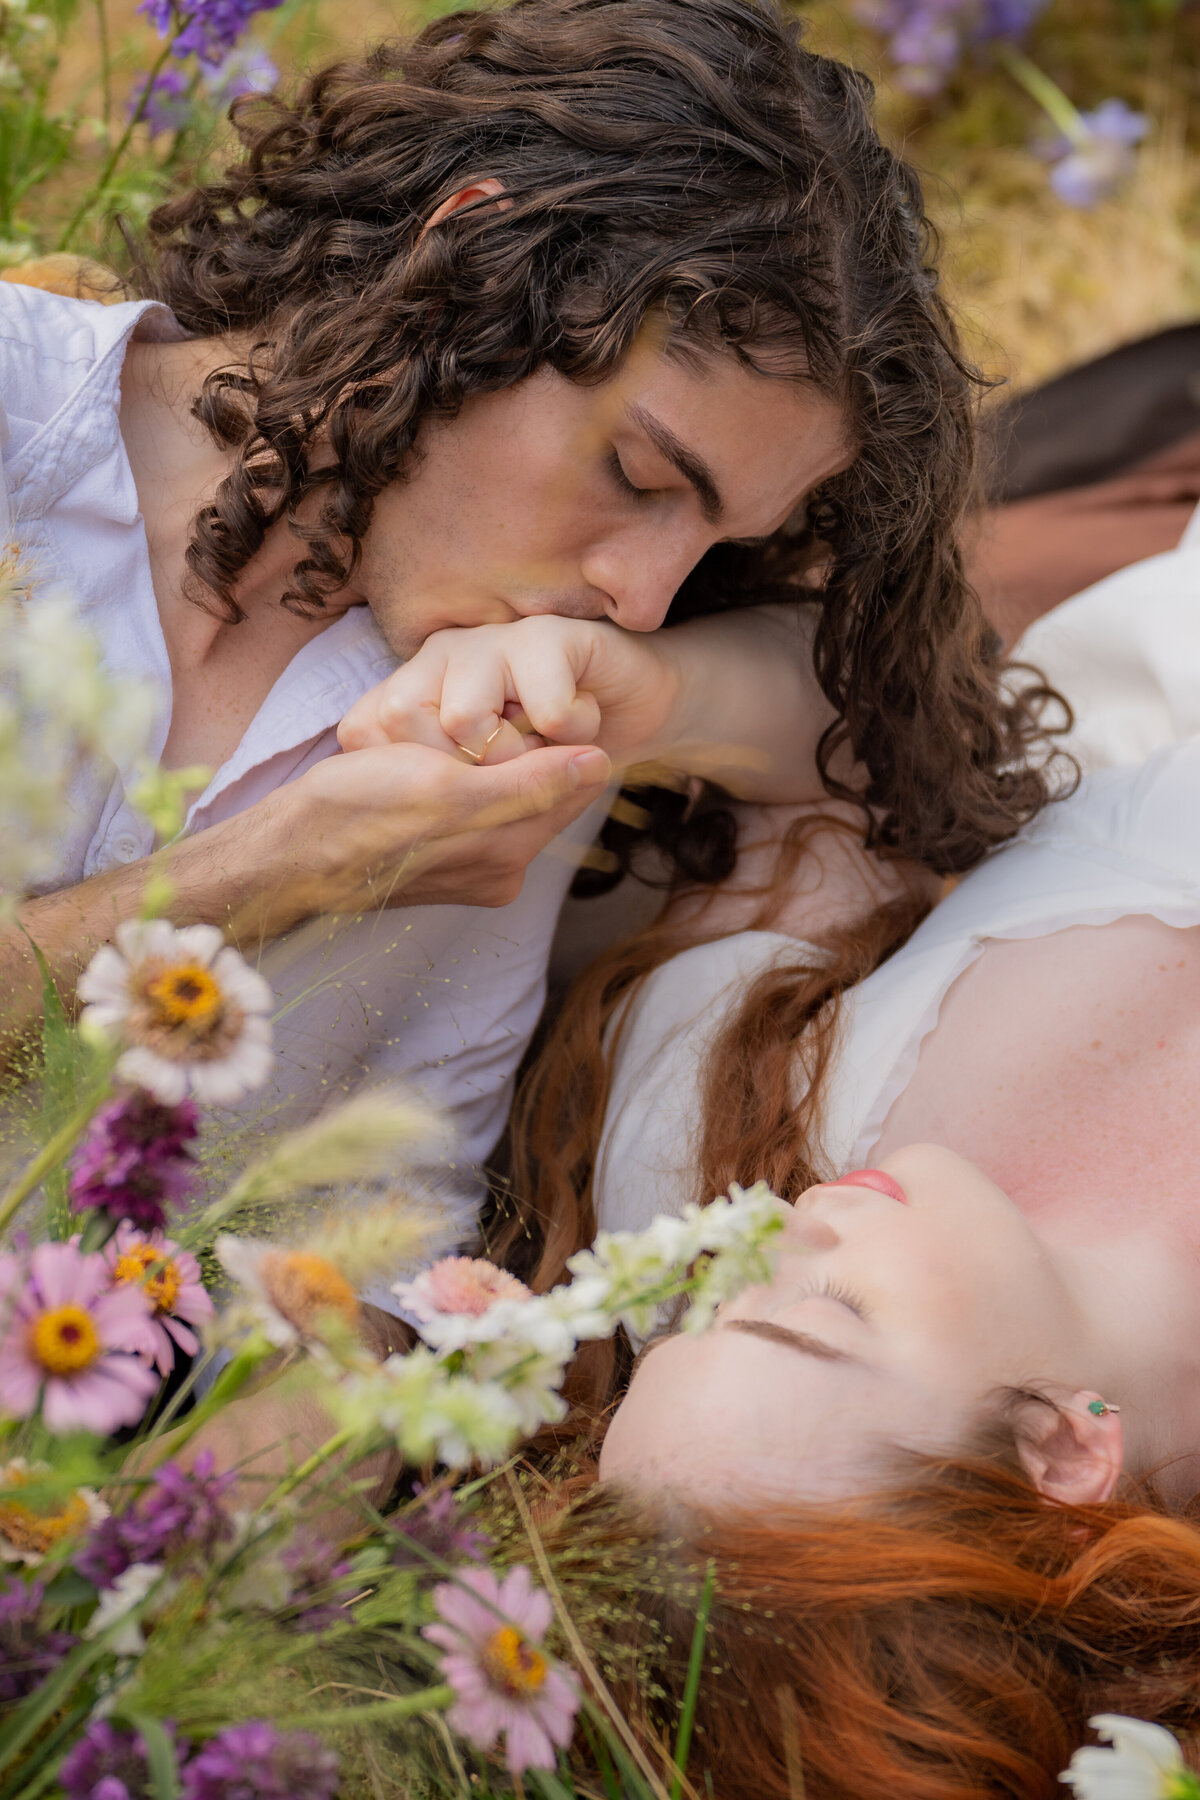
(809, 1231)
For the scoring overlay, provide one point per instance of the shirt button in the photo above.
(125, 848)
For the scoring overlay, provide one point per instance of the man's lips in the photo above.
(872, 1178)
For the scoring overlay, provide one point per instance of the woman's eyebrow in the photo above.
(792, 1340)
(692, 467)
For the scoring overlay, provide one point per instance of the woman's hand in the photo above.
(495, 691)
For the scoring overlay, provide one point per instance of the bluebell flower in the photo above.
(247, 70)
(167, 108)
(928, 38)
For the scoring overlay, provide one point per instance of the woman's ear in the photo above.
(485, 189)
(1070, 1453)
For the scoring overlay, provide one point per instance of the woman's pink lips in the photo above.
(872, 1178)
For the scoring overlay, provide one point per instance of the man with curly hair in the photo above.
(488, 353)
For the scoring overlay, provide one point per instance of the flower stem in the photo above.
(430, 1699)
(229, 1382)
(317, 1460)
(1049, 96)
(97, 191)
(47, 1158)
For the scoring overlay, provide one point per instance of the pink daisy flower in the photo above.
(459, 1284)
(77, 1343)
(170, 1279)
(490, 1630)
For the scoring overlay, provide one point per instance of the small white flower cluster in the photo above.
(491, 1374)
(1144, 1762)
(60, 710)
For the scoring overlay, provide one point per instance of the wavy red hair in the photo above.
(946, 1641)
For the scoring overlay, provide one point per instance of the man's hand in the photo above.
(513, 687)
(401, 825)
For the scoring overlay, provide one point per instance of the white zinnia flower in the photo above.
(121, 1601)
(193, 1015)
(1144, 1763)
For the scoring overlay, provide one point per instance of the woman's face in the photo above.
(892, 1317)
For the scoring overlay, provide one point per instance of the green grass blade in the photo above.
(691, 1690)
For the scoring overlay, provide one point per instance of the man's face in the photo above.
(593, 502)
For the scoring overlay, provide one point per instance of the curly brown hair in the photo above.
(685, 162)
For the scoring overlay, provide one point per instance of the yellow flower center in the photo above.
(64, 1340)
(34, 1533)
(303, 1286)
(185, 994)
(512, 1663)
(161, 1288)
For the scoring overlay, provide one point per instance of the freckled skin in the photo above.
(1051, 1059)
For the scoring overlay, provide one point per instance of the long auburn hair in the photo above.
(676, 164)
(947, 1639)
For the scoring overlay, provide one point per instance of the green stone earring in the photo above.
(1098, 1408)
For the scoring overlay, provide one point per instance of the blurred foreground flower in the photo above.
(295, 1296)
(73, 1342)
(505, 1685)
(1144, 1763)
(29, 1529)
(28, 1652)
(182, 1516)
(106, 1764)
(170, 1279)
(134, 1160)
(60, 712)
(1091, 164)
(257, 1760)
(191, 1012)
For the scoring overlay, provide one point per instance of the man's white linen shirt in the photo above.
(443, 997)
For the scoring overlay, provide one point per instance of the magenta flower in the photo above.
(255, 1759)
(134, 1160)
(490, 1630)
(181, 1516)
(107, 1764)
(28, 1652)
(76, 1344)
(170, 1279)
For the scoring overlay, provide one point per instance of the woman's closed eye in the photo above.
(835, 1290)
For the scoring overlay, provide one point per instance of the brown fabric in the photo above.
(1028, 556)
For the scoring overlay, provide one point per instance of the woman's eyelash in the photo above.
(833, 1290)
(622, 480)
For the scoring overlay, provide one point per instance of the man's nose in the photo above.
(639, 589)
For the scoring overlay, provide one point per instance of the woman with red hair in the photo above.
(944, 1464)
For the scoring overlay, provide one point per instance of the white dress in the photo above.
(1127, 654)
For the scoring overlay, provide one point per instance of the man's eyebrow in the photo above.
(792, 1340)
(693, 468)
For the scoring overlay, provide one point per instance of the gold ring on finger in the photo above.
(477, 756)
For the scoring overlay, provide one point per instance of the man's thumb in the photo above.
(543, 779)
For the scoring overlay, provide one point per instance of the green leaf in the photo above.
(160, 1754)
(70, 1589)
(551, 1786)
(691, 1688)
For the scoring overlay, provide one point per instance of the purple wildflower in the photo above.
(317, 1582)
(167, 106)
(106, 1764)
(213, 26)
(28, 1653)
(248, 70)
(134, 1160)
(437, 1526)
(181, 1515)
(927, 38)
(256, 1762)
(1087, 171)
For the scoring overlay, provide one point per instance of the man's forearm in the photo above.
(219, 877)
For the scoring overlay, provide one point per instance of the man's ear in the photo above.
(484, 189)
(1070, 1454)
